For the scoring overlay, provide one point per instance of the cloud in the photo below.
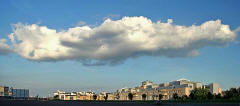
(112, 16)
(81, 23)
(237, 30)
(112, 42)
(4, 48)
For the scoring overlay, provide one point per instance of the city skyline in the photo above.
(183, 84)
(181, 87)
(106, 45)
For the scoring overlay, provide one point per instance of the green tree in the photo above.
(117, 96)
(184, 97)
(238, 90)
(232, 93)
(95, 97)
(160, 96)
(199, 94)
(144, 96)
(218, 96)
(130, 96)
(55, 97)
(210, 96)
(175, 96)
(106, 96)
(191, 96)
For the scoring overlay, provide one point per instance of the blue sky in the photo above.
(214, 64)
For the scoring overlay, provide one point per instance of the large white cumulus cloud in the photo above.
(114, 41)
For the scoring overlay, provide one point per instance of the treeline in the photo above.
(204, 94)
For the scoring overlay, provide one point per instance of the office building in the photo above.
(20, 93)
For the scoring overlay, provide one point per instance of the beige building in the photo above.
(150, 91)
(147, 91)
(5, 91)
(154, 94)
(1, 90)
(213, 88)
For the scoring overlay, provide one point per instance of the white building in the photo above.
(213, 88)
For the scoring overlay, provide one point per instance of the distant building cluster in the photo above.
(14, 93)
(73, 95)
(146, 91)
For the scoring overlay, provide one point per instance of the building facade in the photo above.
(150, 91)
(213, 88)
(146, 91)
(5, 91)
(20, 93)
(61, 95)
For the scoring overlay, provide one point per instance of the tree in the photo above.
(184, 97)
(233, 93)
(37, 97)
(191, 96)
(218, 96)
(117, 96)
(160, 96)
(106, 97)
(144, 96)
(210, 96)
(130, 96)
(95, 97)
(175, 96)
(199, 94)
(153, 97)
(238, 90)
(55, 97)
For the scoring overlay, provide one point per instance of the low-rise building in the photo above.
(146, 91)
(20, 93)
(5, 91)
(150, 91)
(61, 95)
(213, 88)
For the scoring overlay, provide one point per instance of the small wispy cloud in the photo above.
(80, 23)
(4, 47)
(112, 16)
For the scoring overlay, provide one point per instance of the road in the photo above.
(79, 103)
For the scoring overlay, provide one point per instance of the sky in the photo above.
(77, 45)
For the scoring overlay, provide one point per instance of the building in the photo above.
(168, 93)
(146, 91)
(61, 95)
(213, 88)
(147, 84)
(150, 91)
(20, 93)
(197, 85)
(5, 91)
